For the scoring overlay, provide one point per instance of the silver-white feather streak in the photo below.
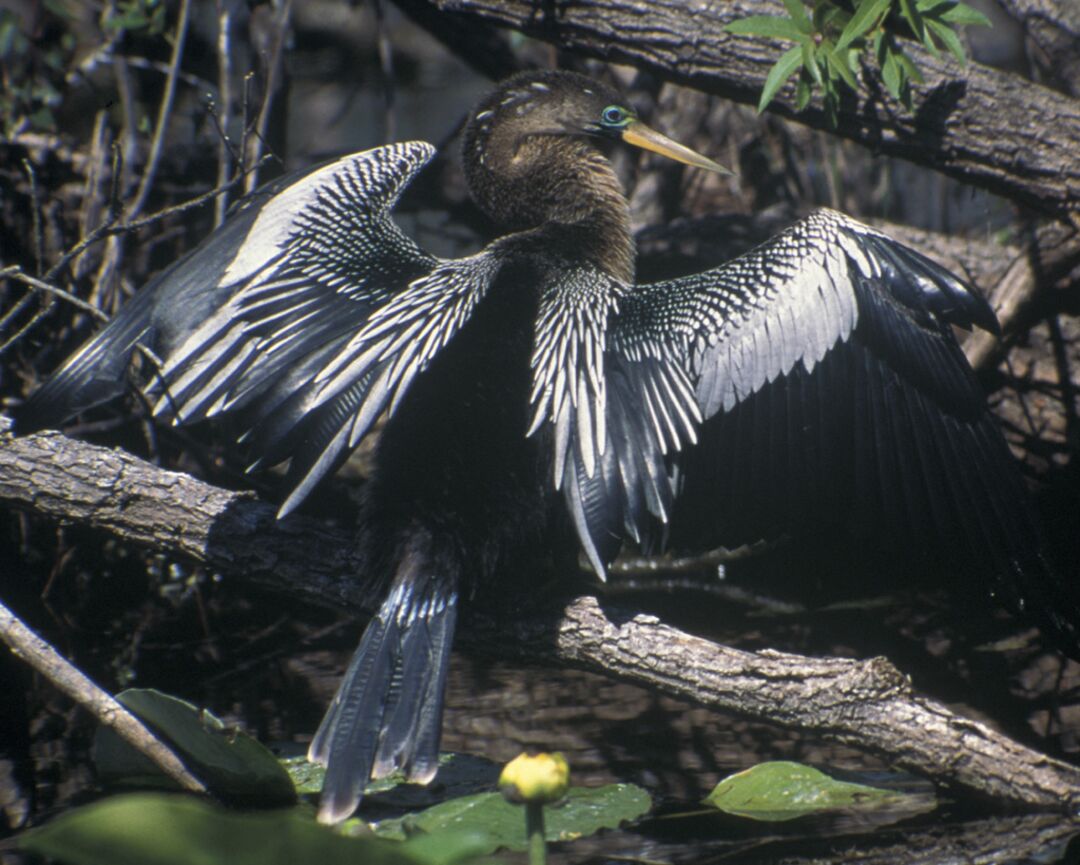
(320, 254)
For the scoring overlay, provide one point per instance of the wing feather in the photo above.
(306, 316)
(834, 393)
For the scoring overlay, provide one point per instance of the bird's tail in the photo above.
(387, 713)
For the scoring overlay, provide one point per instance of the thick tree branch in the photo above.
(981, 125)
(868, 704)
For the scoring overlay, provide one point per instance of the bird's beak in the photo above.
(640, 135)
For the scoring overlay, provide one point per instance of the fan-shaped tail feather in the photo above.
(387, 713)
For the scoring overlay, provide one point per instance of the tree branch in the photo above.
(28, 646)
(868, 704)
(983, 126)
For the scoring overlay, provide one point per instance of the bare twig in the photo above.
(224, 107)
(386, 68)
(94, 204)
(164, 110)
(35, 211)
(273, 72)
(15, 272)
(28, 646)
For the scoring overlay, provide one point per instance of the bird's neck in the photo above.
(562, 184)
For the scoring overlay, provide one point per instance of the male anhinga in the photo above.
(535, 393)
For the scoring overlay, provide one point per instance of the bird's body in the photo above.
(541, 403)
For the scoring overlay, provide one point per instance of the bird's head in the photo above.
(533, 157)
(560, 104)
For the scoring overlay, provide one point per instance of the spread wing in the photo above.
(833, 391)
(306, 315)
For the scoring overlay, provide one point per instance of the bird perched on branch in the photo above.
(537, 399)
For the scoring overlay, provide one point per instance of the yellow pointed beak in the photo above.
(640, 135)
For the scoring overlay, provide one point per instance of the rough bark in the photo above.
(869, 703)
(981, 125)
(1052, 33)
(228, 532)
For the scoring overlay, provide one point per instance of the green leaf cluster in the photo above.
(830, 41)
(136, 15)
(583, 811)
(454, 822)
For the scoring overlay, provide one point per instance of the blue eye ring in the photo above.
(614, 115)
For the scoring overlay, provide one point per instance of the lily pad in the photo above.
(458, 775)
(584, 812)
(234, 766)
(784, 790)
(163, 829)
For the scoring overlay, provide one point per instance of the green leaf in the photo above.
(798, 15)
(447, 848)
(232, 764)
(459, 775)
(914, 19)
(583, 812)
(788, 64)
(765, 25)
(948, 38)
(910, 70)
(964, 16)
(829, 18)
(307, 777)
(837, 61)
(892, 74)
(784, 790)
(865, 19)
(163, 829)
(802, 94)
(810, 62)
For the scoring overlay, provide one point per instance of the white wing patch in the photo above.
(365, 182)
(402, 337)
(737, 327)
(568, 365)
(323, 241)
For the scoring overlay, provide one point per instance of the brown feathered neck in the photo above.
(529, 164)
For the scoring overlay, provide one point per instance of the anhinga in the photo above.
(539, 400)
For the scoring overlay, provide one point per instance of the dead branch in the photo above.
(868, 704)
(28, 646)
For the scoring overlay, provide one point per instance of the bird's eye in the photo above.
(614, 115)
